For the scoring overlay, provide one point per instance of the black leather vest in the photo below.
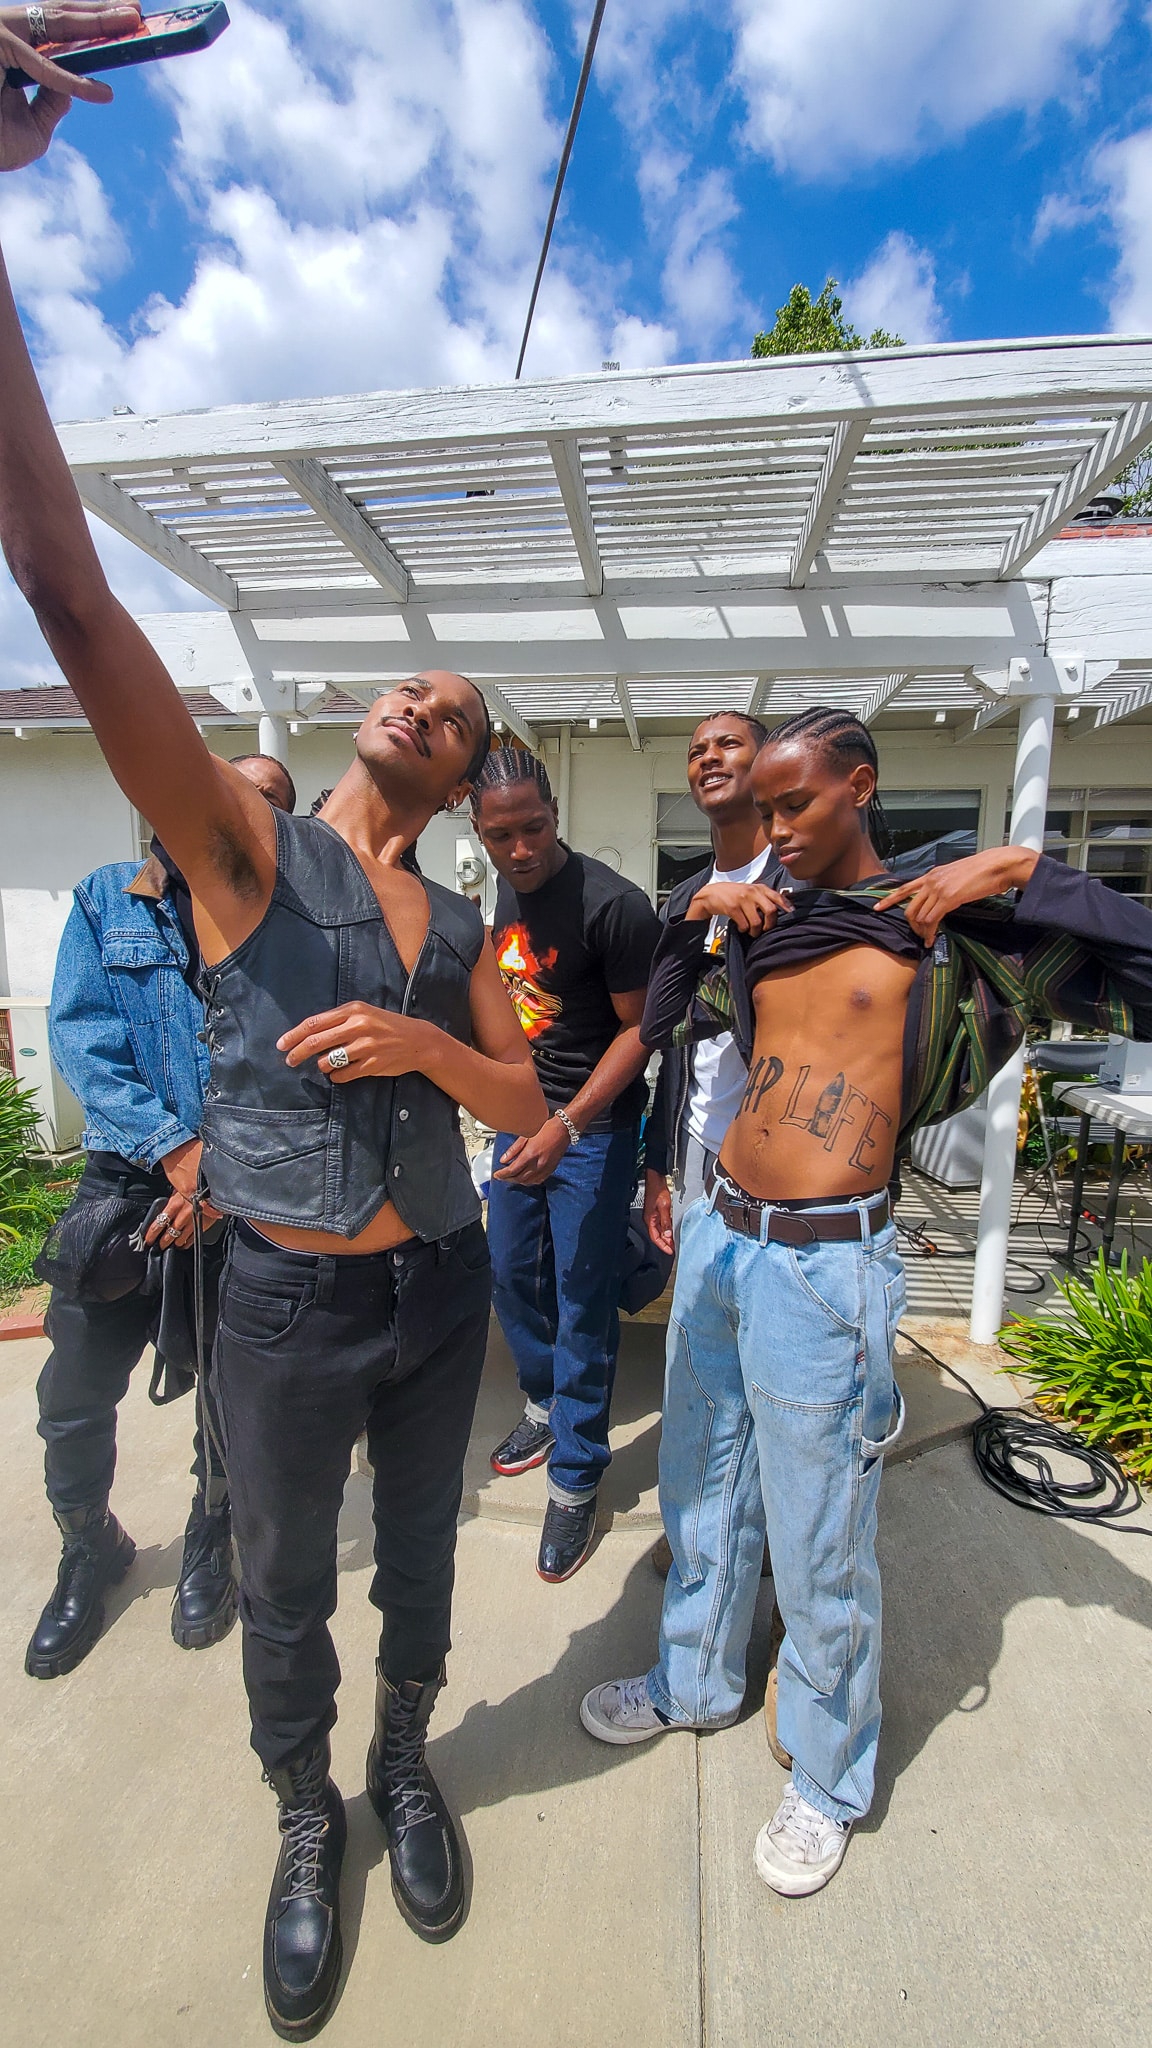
(286, 1145)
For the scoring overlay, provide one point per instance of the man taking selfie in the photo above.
(351, 1006)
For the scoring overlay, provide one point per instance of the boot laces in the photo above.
(404, 1766)
(204, 1542)
(304, 1828)
(80, 1554)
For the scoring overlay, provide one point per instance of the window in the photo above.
(683, 841)
(1108, 832)
(930, 826)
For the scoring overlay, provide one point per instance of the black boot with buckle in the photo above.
(96, 1554)
(205, 1601)
(423, 1846)
(302, 1947)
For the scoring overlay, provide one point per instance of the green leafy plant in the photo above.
(19, 1121)
(816, 326)
(1093, 1366)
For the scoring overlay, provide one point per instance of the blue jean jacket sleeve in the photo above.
(91, 1048)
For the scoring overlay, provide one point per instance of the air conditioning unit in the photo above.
(24, 1051)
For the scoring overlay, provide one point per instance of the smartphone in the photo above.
(168, 34)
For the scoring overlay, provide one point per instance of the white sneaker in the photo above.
(799, 1849)
(621, 1711)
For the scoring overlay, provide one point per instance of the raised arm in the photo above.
(214, 824)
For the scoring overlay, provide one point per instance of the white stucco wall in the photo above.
(61, 814)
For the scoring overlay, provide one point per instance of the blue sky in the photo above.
(288, 215)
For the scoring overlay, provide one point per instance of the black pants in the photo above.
(310, 1351)
(96, 1346)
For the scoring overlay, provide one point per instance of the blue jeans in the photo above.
(779, 1403)
(557, 1256)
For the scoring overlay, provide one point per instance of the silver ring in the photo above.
(338, 1057)
(37, 26)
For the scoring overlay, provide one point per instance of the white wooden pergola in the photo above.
(869, 529)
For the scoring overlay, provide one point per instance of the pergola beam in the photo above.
(886, 693)
(1095, 467)
(127, 518)
(624, 700)
(340, 516)
(565, 453)
(845, 445)
(502, 707)
(1136, 699)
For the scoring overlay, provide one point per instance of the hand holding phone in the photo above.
(129, 38)
(26, 126)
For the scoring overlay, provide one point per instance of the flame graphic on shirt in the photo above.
(519, 966)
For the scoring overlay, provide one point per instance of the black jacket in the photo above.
(664, 1131)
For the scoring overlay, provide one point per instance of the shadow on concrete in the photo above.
(956, 1561)
(532, 1741)
(155, 1570)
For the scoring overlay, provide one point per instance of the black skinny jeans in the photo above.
(96, 1346)
(311, 1350)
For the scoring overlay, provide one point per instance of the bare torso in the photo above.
(821, 1112)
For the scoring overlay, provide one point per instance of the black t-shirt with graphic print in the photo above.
(564, 950)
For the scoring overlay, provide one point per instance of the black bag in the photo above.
(95, 1252)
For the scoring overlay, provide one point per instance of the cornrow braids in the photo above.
(756, 726)
(504, 768)
(846, 738)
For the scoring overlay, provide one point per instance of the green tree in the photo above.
(808, 326)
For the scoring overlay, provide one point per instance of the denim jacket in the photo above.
(124, 1023)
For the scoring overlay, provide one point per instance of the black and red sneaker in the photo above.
(566, 1539)
(529, 1444)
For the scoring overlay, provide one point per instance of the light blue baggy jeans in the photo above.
(779, 1403)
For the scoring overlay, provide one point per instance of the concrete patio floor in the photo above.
(997, 1893)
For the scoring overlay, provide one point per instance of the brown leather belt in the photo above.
(745, 1213)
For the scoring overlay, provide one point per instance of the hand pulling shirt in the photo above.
(1068, 947)
(564, 951)
(719, 1074)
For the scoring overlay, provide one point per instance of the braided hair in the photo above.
(504, 768)
(848, 740)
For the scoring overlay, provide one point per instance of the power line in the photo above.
(569, 139)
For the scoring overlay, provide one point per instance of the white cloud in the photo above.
(833, 83)
(1121, 172)
(58, 232)
(896, 290)
(1114, 195)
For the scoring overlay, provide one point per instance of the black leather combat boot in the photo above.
(423, 1846)
(96, 1554)
(302, 1946)
(206, 1596)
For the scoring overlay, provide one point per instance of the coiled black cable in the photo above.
(1012, 1449)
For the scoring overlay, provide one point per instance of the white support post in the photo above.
(273, 737)
(1029, 804)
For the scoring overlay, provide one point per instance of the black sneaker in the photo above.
(565, 1540)
(529, 1444)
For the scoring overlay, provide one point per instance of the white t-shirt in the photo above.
(719, 1076)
